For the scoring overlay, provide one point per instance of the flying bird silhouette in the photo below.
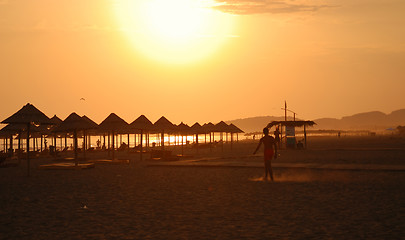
(82, 99)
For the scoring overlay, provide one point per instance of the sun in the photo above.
(174, 31)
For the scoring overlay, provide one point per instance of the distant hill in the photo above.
(374, 121)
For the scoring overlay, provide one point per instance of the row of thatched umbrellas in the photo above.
(29, 119)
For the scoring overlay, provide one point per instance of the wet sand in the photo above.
(138, 201)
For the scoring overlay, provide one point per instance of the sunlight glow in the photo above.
(175, 31)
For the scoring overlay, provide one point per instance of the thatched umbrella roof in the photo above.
(197, 128)
(183, 129)
(208, 127)
(291, 123)
(163, 124)
(28, 114)
(73, 122)
(12, 129)
(234, 129)
(91, 122)
(142, 123)
(114, 123)
(56, 120)
(221, 127)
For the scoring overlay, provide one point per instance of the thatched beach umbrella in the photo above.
(93, 125)
(183, 129)
(27, 115)
(9, 131)
(209, 128)
(161, 126)
(196, 129)
(74, 123)
(222, 127)
(114, 124)
(56, 121)
(142, 124)
(234, 129)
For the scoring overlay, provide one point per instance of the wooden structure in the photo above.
(293, 124)
(28, 115)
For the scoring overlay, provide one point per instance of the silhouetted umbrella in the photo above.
(91, 131)
(74, 123)
(13, 129)
(234, 129)
(142, 123)
(161, 126)
(114, 124)
(222, 127)
(56, 120)
(209, 128)
(196, 128)
(183, 129)
(27, 115)
(10, 130)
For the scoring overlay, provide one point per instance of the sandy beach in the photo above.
(159, 200)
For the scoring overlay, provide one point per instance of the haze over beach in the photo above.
(202, 60)
(154, 119)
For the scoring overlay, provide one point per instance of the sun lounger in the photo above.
(66, 166)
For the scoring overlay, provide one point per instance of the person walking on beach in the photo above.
(270, 150)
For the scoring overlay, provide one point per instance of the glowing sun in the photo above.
(174, 31)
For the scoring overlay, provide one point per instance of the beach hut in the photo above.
(142, 124)
(28, 115)
(115, 125)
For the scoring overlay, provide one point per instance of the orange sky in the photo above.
(326, 58)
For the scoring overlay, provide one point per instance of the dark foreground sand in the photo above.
(143, 202)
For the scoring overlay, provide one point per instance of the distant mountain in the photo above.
(374, 121)
(254, 124)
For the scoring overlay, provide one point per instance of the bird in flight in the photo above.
(82, 99)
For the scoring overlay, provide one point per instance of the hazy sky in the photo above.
(226, 60)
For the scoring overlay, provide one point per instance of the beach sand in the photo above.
(141, 201)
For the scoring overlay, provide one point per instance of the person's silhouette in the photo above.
(270, 150)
